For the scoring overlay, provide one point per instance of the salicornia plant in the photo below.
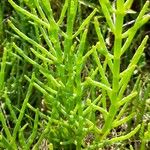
(83, 89)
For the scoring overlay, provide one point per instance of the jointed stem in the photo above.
(116, 68)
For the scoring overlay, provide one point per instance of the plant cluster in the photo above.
(60, 90)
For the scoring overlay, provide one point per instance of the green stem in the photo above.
(116, 68)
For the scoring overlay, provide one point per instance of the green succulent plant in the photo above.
(83, 89)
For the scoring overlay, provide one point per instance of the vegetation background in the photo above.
(28, 120)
